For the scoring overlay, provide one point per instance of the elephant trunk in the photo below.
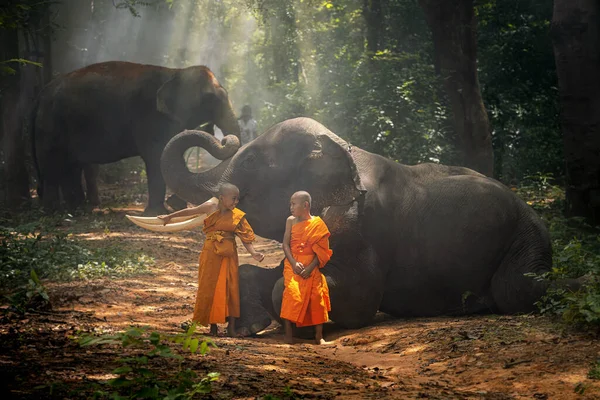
(196, 187)
(227, 121)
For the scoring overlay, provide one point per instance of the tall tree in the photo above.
(576, 38)
(453, 27)
(23, 24)
(373, 13)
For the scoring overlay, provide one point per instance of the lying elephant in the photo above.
(419, 240)
(113, 110)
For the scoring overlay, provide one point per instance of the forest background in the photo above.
(476, 83)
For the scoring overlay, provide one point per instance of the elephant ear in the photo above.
(166, 97)
(177, 97)
(330, 173)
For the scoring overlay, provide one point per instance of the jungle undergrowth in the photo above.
(576, 253)
(34, 241)
(140, 375)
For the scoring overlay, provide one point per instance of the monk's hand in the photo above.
(164, 218)
(258, 256)
(298, 268)
(306, 272)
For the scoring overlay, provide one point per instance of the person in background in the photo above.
(247, 125)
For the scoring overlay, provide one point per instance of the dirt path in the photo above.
(483, 357)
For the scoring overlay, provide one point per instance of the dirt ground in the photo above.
(479, 357)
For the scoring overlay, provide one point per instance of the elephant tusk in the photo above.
(175, 225)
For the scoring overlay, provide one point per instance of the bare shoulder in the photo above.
(291, 220)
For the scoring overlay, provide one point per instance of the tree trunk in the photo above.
(373, 15)
(16, 178)
(576, 38)
(453, 24)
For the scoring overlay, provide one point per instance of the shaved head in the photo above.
(227, 188)
(303, 196)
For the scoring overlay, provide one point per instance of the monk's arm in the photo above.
(286, 242)
(204, 208)
(252, 250)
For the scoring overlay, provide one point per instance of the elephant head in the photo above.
(193, 96)
(297, 154)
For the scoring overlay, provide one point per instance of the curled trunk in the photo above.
(196, 187)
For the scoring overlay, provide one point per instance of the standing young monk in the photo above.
(218, 294)
(306, 247)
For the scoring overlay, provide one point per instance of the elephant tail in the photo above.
(36, 165)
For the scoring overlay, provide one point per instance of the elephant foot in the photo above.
(254, 328)
(176, 202)
(153, 211)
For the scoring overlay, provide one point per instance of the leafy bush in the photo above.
(136, 379)
(576, 253)
(132, 168)
(59, 256)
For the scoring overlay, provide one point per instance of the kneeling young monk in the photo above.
(218, 294)
(306, 247)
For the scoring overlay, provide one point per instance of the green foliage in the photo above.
(6, 69)
(138, 376)
(594, 372)
(23, 13)
(519, 86)
(125, 170)
(57, 255)
(33, 296)
(576, 253)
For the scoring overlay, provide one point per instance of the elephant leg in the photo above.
(156, 187)
(50, 185)
(72, 188)
(176, 202)
(256, 306)
(49, 182)
(90, 172)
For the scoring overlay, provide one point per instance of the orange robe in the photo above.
(306, 301)
(218, 294)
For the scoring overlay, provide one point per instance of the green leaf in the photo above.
(119, 382)
(191, 329)
(122, 370)
(194, 345)
(34, 277)
(147, 393)
(204, 348)
(155, 338)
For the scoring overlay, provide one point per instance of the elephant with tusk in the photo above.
(108, 111)
(420, 240)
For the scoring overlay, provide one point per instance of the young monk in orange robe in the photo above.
(306, 247)
(218, 294)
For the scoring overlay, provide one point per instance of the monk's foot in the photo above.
(214, 331)
(321, 341)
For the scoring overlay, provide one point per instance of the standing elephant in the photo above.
(419, 240)
(113, 110)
